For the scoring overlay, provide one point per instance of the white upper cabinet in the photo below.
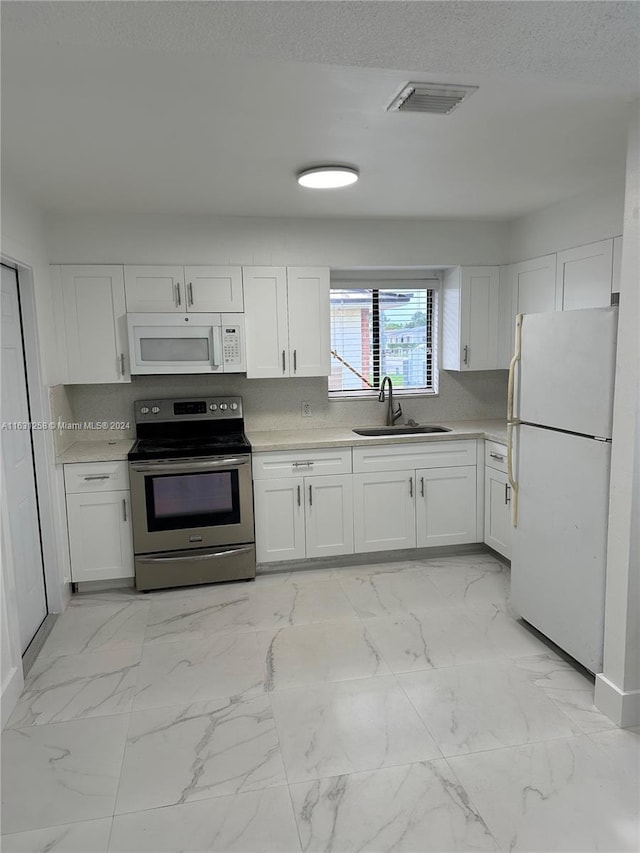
(584, 276)
(287, 321)
(209, 289)
(470, 318)
(533, 285)
(94, 312)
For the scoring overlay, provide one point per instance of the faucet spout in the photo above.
(392, 416)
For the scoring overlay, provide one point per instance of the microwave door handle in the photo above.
(185, 467)
(216, 346)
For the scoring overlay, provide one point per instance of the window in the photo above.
(382, 331)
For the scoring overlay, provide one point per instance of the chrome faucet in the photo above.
(392, 416)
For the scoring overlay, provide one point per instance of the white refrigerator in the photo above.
(561, 411)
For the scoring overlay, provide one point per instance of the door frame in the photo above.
(49, 480)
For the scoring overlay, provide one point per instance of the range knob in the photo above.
(155, 409)
(144, 410)
(223, 407)
(212, 407)
(233, 406)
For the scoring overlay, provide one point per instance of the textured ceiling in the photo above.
(212, 107)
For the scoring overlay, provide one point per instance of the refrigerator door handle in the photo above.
(511, 421)
(512, 482)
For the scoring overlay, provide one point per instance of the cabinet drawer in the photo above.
(96, 477)
(298, 463)
(396, 457)
(495, 455)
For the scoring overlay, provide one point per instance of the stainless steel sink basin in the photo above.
(400, 430)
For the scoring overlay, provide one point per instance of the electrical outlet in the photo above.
(306, 409)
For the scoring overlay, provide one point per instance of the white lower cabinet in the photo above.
(446, 506)
(384, 511)
(99, 521)
(497, 500)
(300, 516)
(434, 504)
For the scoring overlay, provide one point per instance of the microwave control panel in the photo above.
(231, 345)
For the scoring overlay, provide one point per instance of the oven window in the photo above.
(180, 501)
(174, 349)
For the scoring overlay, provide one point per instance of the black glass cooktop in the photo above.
(182, 448)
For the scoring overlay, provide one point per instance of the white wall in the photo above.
(618, 687)
(577, 221)
(273, 241)
(23, 243)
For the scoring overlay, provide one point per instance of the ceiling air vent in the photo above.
(435, 98)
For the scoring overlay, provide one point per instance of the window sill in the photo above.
(373, 395)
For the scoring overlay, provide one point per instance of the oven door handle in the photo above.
(185, 466)
(194, 557)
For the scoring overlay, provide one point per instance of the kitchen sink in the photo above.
(400, 430)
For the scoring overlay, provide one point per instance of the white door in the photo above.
(19, 489)
(479, 318)
(213, 289)
(100, 536)
(567, 369)
(152, 288)
(558, 557)
(534, 285)
(309, 331)
(446, 506)
(584, 276)
(497, 511)
(384, 511)
(95, 323)
(329, 515)
(279, 519)
(266, 323)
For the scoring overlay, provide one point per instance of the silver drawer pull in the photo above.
(302, 464)
(411, 487)
(124, 509)
(310, 497)
(421, 487)
(298, 495)
(98, 476)
(496, 456)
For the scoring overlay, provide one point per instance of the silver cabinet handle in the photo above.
(295, 360)
(190, 293)
(298, 495)
(421, 487)
(306, 464)
(410, 486)
(283, 365)
(507, 496)
(124, 509)
(178, 297)
(122, 364)
(310, 497)
(465, 358)
(97, 476)
(496, 456)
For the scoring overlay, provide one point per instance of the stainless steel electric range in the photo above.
(191, 493)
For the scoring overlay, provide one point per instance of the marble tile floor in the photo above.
(387, 707)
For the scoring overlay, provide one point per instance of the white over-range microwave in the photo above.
(186, 343)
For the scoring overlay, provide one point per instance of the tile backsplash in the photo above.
(275, 403)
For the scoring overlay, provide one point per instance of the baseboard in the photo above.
(623, 707)
(11, 690)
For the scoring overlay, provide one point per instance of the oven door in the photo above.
(191, 503)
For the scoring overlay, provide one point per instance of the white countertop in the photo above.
(96, 451)
(343, 436)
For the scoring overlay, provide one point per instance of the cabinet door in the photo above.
(279, 519)
(309, 332)
(534, 285)
(584, 276)
(384, 511)
(479, 318)
(95, 324)
(497, 511)
(446, 506)
(213, 289)
(155, 289)
(100, 536)
(329, 515)
(266, 324)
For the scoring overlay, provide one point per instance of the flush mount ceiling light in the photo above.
(327, 177)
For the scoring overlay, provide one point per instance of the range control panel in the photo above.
(190, 409)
